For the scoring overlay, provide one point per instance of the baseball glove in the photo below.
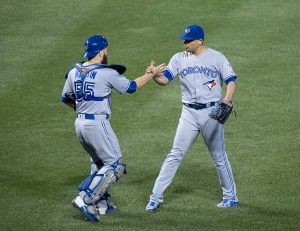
(221, 111)
(71, 100)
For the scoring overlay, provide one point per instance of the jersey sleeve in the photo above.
(226, 70)
(119, 82)
(172, 69)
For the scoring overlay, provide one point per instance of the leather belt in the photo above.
(199, 106)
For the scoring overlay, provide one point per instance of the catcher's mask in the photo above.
(93, 45)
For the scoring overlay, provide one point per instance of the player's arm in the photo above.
(151, 72)
(163, 77)
(69, 99)
(230, 89)
(141, 81)
(168, 74)
(161, 80)
(230, 77)
(67, 95)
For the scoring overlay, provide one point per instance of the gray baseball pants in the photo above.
(192, 123)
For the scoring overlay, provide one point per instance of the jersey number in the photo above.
(87, 91)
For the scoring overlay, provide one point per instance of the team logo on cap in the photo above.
(210, 84)
(187, 30)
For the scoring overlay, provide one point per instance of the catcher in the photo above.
(202, 71)
(88, 89)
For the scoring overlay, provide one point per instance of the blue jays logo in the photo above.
(187, 30)
(210, 84)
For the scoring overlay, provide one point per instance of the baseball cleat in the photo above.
(227, 203)
(111, 208)
(90, 213)
(152, 206)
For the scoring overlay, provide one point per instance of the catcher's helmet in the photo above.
(192, 32)
(93, 45)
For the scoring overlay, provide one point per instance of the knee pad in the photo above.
(95, 166)
(96, 185)
(102, 180)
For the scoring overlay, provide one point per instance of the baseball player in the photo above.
(88, 89)
(201, 71)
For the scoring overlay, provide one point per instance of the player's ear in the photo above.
(101, 53)
(200, 41)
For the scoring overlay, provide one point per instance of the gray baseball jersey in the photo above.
(97, 86)
(201, 79)
(93, 108)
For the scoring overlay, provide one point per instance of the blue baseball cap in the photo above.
(93, 45)
(192, 32)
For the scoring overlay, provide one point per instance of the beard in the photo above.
(104, 61)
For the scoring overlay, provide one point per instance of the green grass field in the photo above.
(42, 163)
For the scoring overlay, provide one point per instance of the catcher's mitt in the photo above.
(221, 111)
(71, 100)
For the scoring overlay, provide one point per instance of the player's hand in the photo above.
(150, 67)
(155, 70)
